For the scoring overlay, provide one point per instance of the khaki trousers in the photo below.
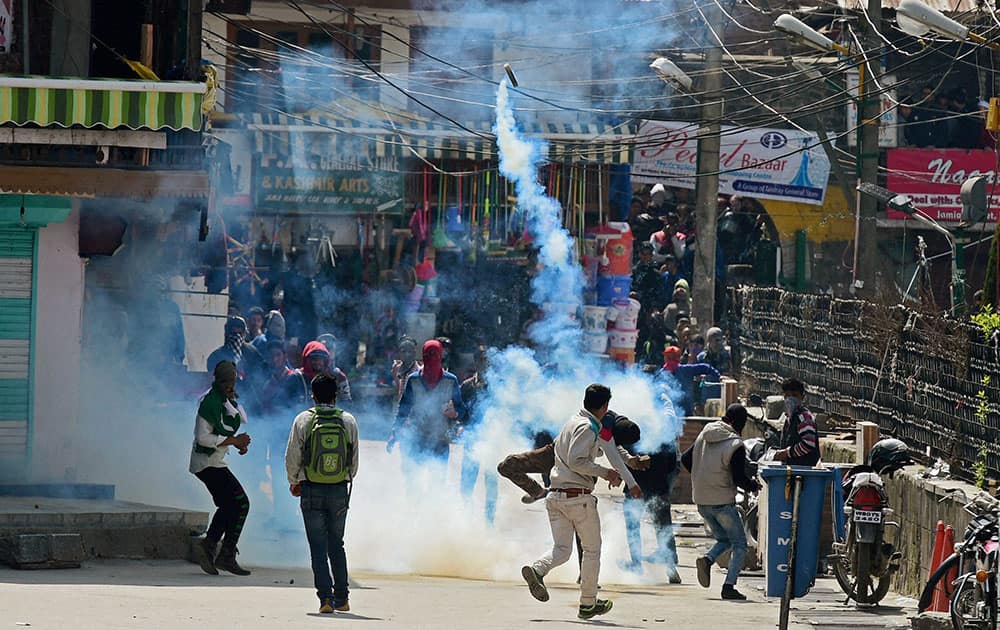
(569, 516)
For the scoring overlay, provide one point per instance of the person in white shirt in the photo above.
(216, 428)
(571, 505)
(321, 461)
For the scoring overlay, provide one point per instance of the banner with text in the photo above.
(283, 187)
(782, 164)
(933, 179)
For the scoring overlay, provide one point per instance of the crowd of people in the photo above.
(936, 118)
(319, 450)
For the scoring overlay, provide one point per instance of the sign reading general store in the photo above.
(286, 187)
(782, 164)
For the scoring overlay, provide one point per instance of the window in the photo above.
(302, 67)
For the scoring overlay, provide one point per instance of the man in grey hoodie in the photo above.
(717, 462)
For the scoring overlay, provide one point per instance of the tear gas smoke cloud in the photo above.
(420, 524)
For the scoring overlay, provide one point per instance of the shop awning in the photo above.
(102, 182)
(104, 103)
(283, 134)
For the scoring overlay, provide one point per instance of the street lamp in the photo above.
(797, 30)
(706, 177)
(865, 158)
(916, 18)
(903, 203)
(670, 73)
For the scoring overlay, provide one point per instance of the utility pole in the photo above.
(866, 258)
(707, 181)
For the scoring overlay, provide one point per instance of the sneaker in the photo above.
(535, 584)
(227, 562)
(704, 566)
(344, 607)
(673, 575)
(529, 499)
(729, 592)
(205, 550)
(601, 607)
(326, 605)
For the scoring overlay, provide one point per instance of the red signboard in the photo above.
(934, 177)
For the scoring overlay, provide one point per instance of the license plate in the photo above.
(866, 516)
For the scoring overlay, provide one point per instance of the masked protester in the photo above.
(405, 364)
(685, 374)
(430, 406)
(217, 428)
(799, 438)
(717, 462)
(250, 367)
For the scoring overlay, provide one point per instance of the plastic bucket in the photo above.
(623, 338)
(626, 315)
(595, 343)
(595, 320)
(610, 288)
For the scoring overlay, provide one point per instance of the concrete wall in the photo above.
(58, 331)
(919, 504)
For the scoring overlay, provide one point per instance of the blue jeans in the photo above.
(659, 511)
(727, 528)
(470, 472)
(324, 511)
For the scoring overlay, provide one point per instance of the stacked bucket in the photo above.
(607, 266)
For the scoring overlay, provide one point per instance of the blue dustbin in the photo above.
(778, 510)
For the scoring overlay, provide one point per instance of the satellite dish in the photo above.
(974, 202)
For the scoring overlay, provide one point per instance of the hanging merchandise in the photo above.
(618, 238)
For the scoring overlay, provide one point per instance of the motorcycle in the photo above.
(864, 561)
(973, 594)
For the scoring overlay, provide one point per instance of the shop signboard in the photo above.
(287, 187)
(782, 164)
(933, 179)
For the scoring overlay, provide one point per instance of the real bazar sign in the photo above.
(779, 164)
(933, 179)
(308, 190)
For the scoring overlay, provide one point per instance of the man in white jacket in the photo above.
(571, 505)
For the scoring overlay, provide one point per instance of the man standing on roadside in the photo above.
(799, 438)
(717, 462)
(321, 461)
(571, 505)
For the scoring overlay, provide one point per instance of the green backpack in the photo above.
(328, 450)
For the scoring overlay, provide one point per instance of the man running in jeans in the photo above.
(717, 462)
(321, 461)
(571, 505)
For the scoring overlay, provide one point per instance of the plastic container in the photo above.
(623, 338)
(595, 343)
(610, 288)
(622, 355)
(595, 320)
(777, 522)
(617, 237)
(625, 313)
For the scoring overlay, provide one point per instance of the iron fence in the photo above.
(931, 381)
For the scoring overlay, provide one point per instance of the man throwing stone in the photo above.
(571, 505)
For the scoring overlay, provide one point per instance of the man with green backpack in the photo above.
(321, 461)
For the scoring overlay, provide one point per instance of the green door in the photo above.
(17, 252)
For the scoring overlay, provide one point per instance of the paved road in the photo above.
(110, 595)
(422, 557)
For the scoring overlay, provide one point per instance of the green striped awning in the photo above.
(101, 103)
(282, 134)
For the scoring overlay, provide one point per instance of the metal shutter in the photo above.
(17, 248)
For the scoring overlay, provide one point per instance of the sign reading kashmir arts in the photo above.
(287, 187)
(782, 164)
(933, 179)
